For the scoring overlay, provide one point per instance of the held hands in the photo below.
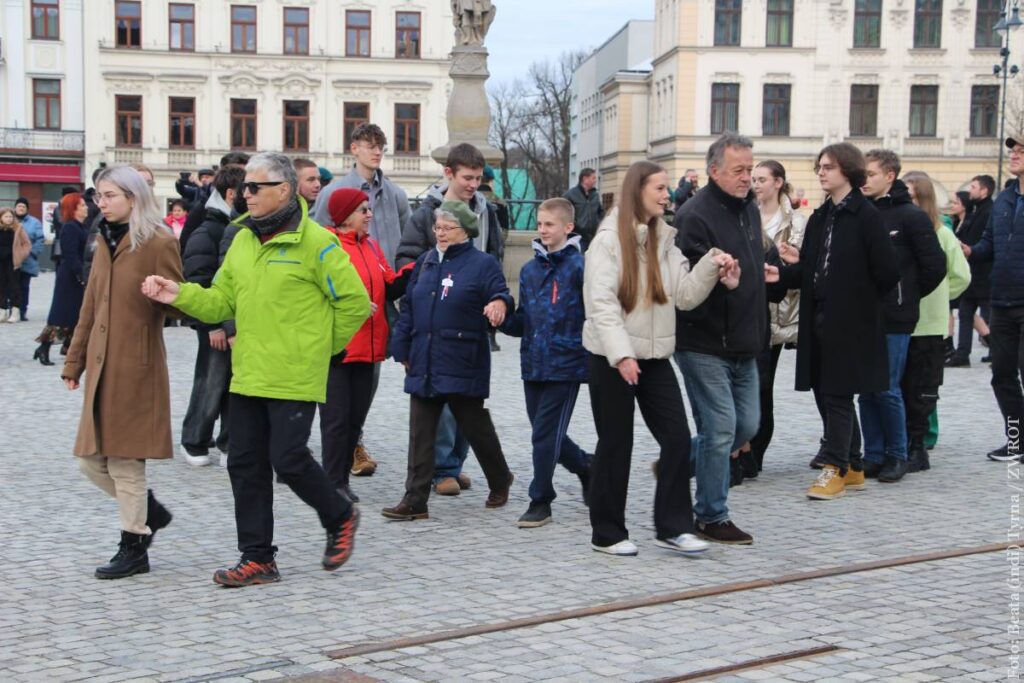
(218, 340)
(160, 289)
(789, 254)
(629, 370)
(495, 312)
(728, 270)
(771, 274)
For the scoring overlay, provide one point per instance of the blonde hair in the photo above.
(562, 208)
(924, 195)
(15, 225)
(630, 214)
(145, 220)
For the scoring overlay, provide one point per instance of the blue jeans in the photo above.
(883, 417)
(549, 406)
(450, 447)
(725, 400)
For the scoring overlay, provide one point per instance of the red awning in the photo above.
(41, 173)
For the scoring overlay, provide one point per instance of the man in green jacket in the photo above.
(296, 301)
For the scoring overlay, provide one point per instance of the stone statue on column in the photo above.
(469, 110)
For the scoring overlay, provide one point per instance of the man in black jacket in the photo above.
(976, 298)
(922, 265)
(209, 399)
(197, 212)
(586, 205)
(718, 342)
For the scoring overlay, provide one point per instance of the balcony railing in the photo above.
(66, 141)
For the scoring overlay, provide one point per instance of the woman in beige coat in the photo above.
(118, 344)
(780, 225)
(15, 246)
(634, 279)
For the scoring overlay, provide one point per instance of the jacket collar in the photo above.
(734, 204)
(354, 179)
(541, 252)
(897, 195)
(451, 252)
(287, 236)
(349, 236)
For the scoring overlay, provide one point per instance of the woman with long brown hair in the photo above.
(634, 279)
(927, 351)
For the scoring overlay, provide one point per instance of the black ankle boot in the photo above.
(917, 456)
(131, 558)
(157, 517)
(892, 470)
(42, 354)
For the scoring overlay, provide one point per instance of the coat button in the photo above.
(460, 335)
(103, 328)
(433, 293)
(99, 359)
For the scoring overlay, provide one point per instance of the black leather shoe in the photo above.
(131, 558)
(871, 469)
(917, 458)
(346, 491)
(405, 512)
(892, 470)
(958, 362)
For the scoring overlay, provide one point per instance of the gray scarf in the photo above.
(285, 218)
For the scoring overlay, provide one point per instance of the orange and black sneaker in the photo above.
(341, 542)
(247, 573)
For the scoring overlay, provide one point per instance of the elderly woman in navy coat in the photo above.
(441, 337)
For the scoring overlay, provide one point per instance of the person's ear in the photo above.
(449, 174)
(569, 227)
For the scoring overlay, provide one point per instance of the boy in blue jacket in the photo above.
(550, 321)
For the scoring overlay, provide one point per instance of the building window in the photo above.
(985, 18)
(864, 111)
(725, 107)
(357, 33)
(928, 23)
(728, 20)
(355, 114)
(775, 114)
(46, 103)
(780, 23)
(296, 31)
(243, 124)
(407, 129)
(128, 23)
(46, 19)
(296, 126)
(867, 23)
(984, 104)
(243, 28)
(129, 120)
(924, 106)
(182, 27)
(183, 122)
(407, 35)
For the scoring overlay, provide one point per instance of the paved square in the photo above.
(467, 566)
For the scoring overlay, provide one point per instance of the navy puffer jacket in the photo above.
(441, 331)
(1006, 254)
(550, 315)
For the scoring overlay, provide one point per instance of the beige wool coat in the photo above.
(119, 345)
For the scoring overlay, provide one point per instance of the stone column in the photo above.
(469, 109)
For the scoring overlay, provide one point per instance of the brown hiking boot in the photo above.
(464, 481)
(405, 512)
(362, 464)
(449, 486)
(828, 486)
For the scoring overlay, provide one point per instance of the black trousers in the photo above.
(1006, 344)
(767, 365)
(922, 378)
(269, 435)
(474, 422)
(10, 285)
(25, 280)
(966, 309)
(661, 405)
(842, 431)
(349, 394)
(209, 399)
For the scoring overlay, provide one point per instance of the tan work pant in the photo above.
(124, 479)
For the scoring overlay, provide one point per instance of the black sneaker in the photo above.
(538, 514)
(131, 558)
(892, 470)
(958, 362)
(724, 532)
(871, 469)
(1002, 454)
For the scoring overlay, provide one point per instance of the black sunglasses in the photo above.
(254, 188)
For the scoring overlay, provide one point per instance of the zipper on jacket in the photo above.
(899, 293)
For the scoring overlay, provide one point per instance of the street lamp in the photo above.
(1005, 27)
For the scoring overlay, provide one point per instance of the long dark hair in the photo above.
(631, 212)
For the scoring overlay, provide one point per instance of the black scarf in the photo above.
(285, 218)
(113, 233)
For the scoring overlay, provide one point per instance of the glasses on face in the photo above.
(108, 196)
(363, 210)
(254, 187)
(446, 228)
(372, 148)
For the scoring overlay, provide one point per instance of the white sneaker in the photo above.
(15, 316)
(622, 548)
(687, 544)
(195, 460)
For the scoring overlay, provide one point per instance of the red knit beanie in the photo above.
(343, 202)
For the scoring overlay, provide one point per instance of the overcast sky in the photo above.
(526, 31)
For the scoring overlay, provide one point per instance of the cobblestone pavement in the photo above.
(467, 566)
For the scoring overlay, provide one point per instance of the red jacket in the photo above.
(370, 343)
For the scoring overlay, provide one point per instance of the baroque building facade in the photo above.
(914, 76)
(175, 85)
